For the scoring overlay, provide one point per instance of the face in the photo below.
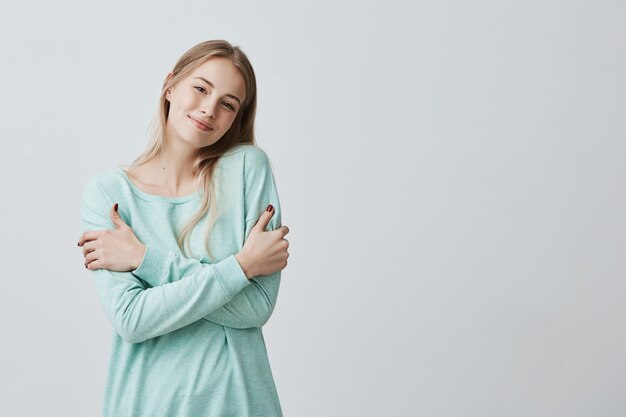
(204, 105)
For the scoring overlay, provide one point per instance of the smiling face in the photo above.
(204, 105)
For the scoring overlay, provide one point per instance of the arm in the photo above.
(137, 313)
(253, 306)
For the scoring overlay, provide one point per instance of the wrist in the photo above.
(245, 265)
(141, 253)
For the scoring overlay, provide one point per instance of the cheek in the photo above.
(188, 102)
(184, 102)
(225, 125)
(228, 120)
(178, 112)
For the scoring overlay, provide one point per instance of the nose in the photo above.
(209, 108)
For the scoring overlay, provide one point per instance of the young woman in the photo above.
(179, 252)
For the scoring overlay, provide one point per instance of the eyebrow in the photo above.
(211, 84)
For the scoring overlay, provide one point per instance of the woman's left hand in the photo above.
(115, 250)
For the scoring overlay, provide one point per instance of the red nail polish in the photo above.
(115, 206)
(269, 208)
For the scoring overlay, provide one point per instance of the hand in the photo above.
(115, 250)
(264, 253)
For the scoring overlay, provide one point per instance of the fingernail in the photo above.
(115, 206)
(85, 266)
(78, 243)
(269, 208)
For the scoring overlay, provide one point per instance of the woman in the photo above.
(187, 307)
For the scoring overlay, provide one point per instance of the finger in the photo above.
(90, 257)
(115, 217)
(92, 265)
(283, 230)
(89, 247)
(264, 219)
(90, 235)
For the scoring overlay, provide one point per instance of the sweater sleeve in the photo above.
(138, 313)
(253, 306)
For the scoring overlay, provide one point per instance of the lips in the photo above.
(200, 125)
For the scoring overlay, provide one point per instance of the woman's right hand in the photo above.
(264, 252)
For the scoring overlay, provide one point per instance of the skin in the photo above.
(264, 252)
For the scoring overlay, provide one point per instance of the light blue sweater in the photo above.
(187, 338)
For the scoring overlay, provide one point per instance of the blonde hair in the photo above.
(240, 132)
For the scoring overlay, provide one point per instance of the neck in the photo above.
(172, 168)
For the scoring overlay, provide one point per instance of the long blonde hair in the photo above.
(240, 132)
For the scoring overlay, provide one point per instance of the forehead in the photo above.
(223, 74)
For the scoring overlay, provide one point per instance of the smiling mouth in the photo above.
(200, 125)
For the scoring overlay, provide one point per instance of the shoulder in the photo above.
(246, 151)
(248, 156)
(103, 185)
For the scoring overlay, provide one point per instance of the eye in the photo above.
(198, 88)
(230, 106)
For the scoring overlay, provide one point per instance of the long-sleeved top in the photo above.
(187, 338)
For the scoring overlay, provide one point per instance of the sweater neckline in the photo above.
(153, 197)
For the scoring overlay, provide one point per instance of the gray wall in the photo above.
(452, 174)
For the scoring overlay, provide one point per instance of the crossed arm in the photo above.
(250, 307)
(184, 290)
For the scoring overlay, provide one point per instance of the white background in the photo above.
(452, 174)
